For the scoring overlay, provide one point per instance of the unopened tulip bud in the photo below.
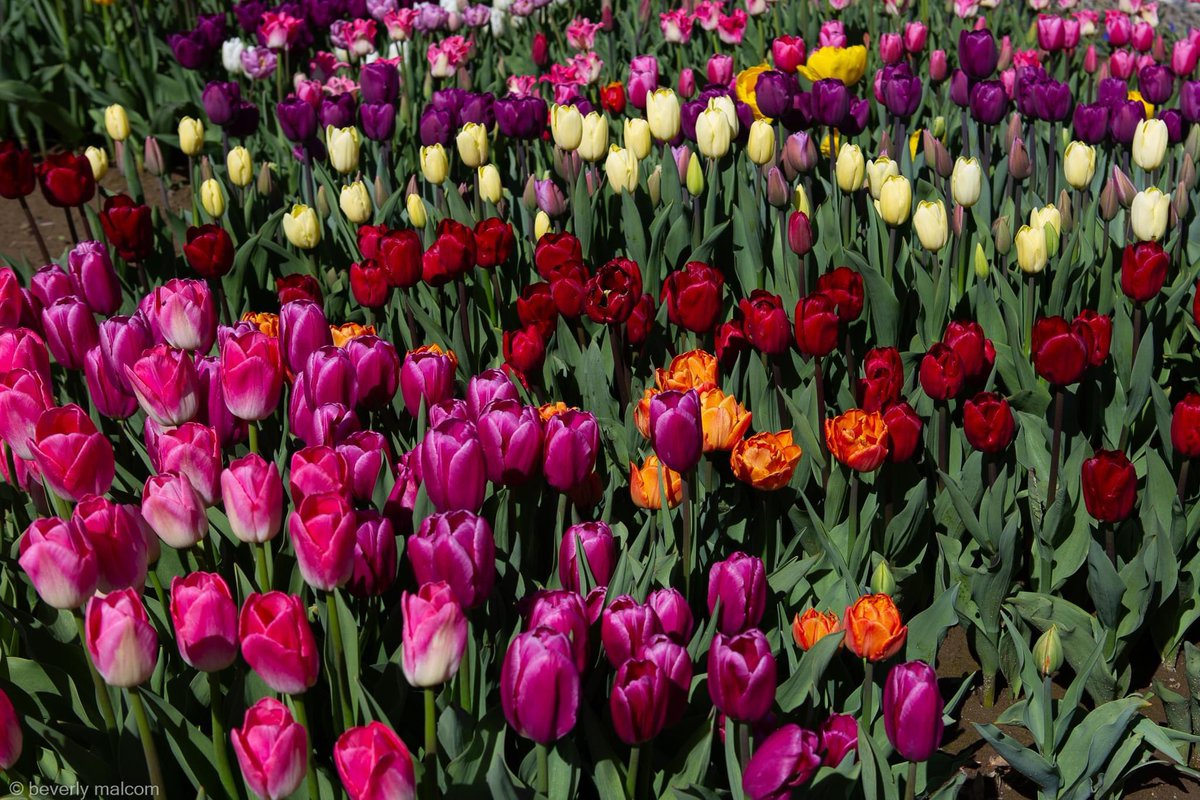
(695, 177)
(593, 146)
(777, 189)
(882, 580)
(489, 184)
(877, 170)
(1187, 172)
(152, 157)
(566, 126)
(799, 233)
(1002, 235)
(895, 200)
(355, 202)
(761, 145)
(1048, 653)
(1150, 144)
(1018, 160)
(116, 122)
(541, 225)
(98, 159)
(239, 167)
(206, 173)
(266, 180)
(472, 143)
(800, 200)
(850, 168)
(636, 135)
(1148, 214)
(416, 210)
(937, 156)
(381, 193)
(1053, 238)
(1192, 143)
(662, 112)
(1109, 202)
(621, 167)
(929, 221)
(529, 195)
(1064, 210)
(191, 136)
(322, 204)
(654, 185)
(939, 126)
(982, 267)
(956, 219)
(212, 198)
(1179, 201)
(1125, 189)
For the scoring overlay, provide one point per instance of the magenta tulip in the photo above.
(94, 278)
(278, 643)
(456, 547)
(24, 397)
(120, 639)
(426, 377)
(374, 764)
(675, 665)
(511, 436)
(322, 533)
(564, 612)
(183, 313)
(739, 583)
(912, 710)
(839, 738)
(205, 620)
(487, 387)
(165, 382)
(452, 467)
(120, 539)
(638, 701)
(59, 561)
(252, 493)
(376, 371)
(599, 548)
(365, 454)
(539, 686)
(271, 749)
(70, 331)
(75, 459)
(193, 451)
(624, 626)
(572, 440)
(174, 510)
(741, 675)
(106, 393)
(673, 612)
(317, 470)
(434, 635)
(302, 330)
(11, 737)
(782, 764)
(251, 375)
(374, 555)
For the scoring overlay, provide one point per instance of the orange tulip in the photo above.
(858, 439)
(641, 413)
(724, 420)
(551, 410)
(765, 460)
(266, 322)
(694, 369)
(351, 330)
(644, 485)
(874, 630)
(812, 626)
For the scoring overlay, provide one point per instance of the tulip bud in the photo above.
(191, 136)
(1150, 144)
(1064, 210)
(695, 177)
(1187, 172)
(929, 220)
(713, 133)
(760, 146)
(272, 749)
(301, 227)
(939, 127)
(1191, 145)
(1018, 160)
(152, 157)
(116, 122)
(800, 152)
(541, 225)
(895, 200)
(636, 135)
(322, 204)
(662, 112)
(266, 180)
(912, 710)
(982, 267)
(355, 202)
(1002, 235)
(1180, 201)
(593, 144)
(799, 233)
(472, 143)
(529, 194)
(381, 194)
(777, 190)
(937, 157)
(239, 167)
(1048, 653)
(1012, 132)
(882, 580)
(850, 168)
(212, 198)
(98, 159)
(654, 186)
(206, 172)
(621, 167)
(416, 210)
(1079, 164)
(1032, 249)
(800, 200)
(1124, 187)
(1109, 203)
(343, 146)
(966, 182)
(489, 184)
(957, 219)
(434, 165)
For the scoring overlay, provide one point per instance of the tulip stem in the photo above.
(868, 692)
(464, 318)
(430, 756)
(37, 233)
(148, 749)
(71, 225)
(218, 736)
(252, 433)
(260, 566)
(1055, 444)
(635, 767)
(102, 698)
(543, 770)
(1110, 541)
(301, 713)
(853, 510)
(341, 694)
(910, 786)
(686, 542)
(1181, 485)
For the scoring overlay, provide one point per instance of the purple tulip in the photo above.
(297, 119)
(478, 107)
(511, 437)
(1090, 122)
(329, 377)
(740, 584)
(830, 102)
(338, 111)
(901, 90)
(452, 408)
(977, 53)
(839, 738)
(1173, 119)
(379, 82)
(1156, 83)
(673, 612)
(1111, 91)
(572, 440)
(435, 127)
(675, 429)
(70, 331)
(95, 280)
(539, 686)
(489, 385)
(1189, 100)
(191, 49)
(521, 117)
(599, 547)
(245, 120)
(452, 467)
(374, 555)
(50, 284)
(122, 342)
(960, 89)
(456, 547)
(376, 371)
(782, 764)
(625, 626)
(741, 675)
(857, 118)
(564, 612)
(912, 710)
(378, 121)
(774, 92)
(638, 701)
(221, 99)
(365, 454)
(989, 102)
(1051, 100)
(426, 378)
(108, 396)
(302, 330)
(675, 664)
(1124, 119)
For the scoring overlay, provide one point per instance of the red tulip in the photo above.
(66, 180)
(369, 282)
(128, 227)
(1061, 350)
(765, 323)
(816, 324)
(845, 287)
(494, 242)
(524, 349)
(903, 432)
(882, 380)
(988, 422)
(1185, 426)
(209, 251)
(16, 171)
(613, 291)
(941, 373)
(693, 296)
(1143, 270)
(1109, 486)
(555, 250)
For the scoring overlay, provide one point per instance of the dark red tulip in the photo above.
(524, 349)
(941, 372)
(613, 291)
(16, 171)
(1109, 486)
(693, 296)
(1060, 350)
(1100, 327)
(554, 250)
(535, 306)
(1143, 270)
(974, 349)
(904, 432)
(66, 180)
(494, 242)
(640, 322)
(816, 324)
(128, 227)
(369, 284)
(845, 287)
(765, 323)
(988, 422)
(1185, 426)
(882, 380)
(209, 250)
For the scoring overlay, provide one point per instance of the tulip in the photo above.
(1143, 270)
(98, 161)
(624, 626)
(212, 198)
(1109, 486)
(183, 313)
(912, 710)
(1150, 144)
(966, 181)
(11, 737)
(272, 749)
(760, 146)
(636, 136)
(472, 143)
(977, 53)
(566, 126)
(645, 485)
(209, 250)
(191, 136)
(739, 584)
(539, 685)
(1185, 426)
(812, 626)
(931, 225)
(713, 134)
(278, 643)
(765, 460)
(59, 561)
(1148, 214)
(251, 375)
(70, 331)
(107, 394)
(1031, 250)
(322, 532)
(569, 451)
(205, 620)
(23, 399)
(73, 457)
(874, 630)
(988, 422)
(741, 675)
(662, 112)
(416, 210)
(343, 146)
(452, 466)
(302, 227)
(1060, 350)
(303, 330)
(455, 547)
(621, 168)
(374, 764)
(66, 180)
(174, 510)
(895, 200)
(374, 555)
(638, 701)
(252, 493)
(120, 639)
(877, 170)
(593, 143)
(355, 202)
(850, 167)
(941, 372)
(434, 635)
(239, 167)
(118, 537)
(782, 764)
(165, 382)
(675, 429)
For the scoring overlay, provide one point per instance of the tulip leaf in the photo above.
(927, 629)
(805, 681)
(733, 765)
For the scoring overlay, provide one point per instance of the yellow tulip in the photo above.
(416, 210)
(1148, 214)
(434, 164)
(850, 167)
(301, 227)
(636, 135)
(761, 145)
(966, 181)
(541, 225)
(212, 198)
(662, 112)
(931, 224)
(1079, 164)
(343, 146)
(895, 200)
(845, 63)
(489, 183)
(116, 122)
(1047, 215)
(566, 125)
(712, 133)
(191, 136)
(355, 202)
(1150, 144)
(725, 105)
(240, 167)
(1031, 250)
(800, 201)
(877, 170)
(472, 144)
(1134, 94)
(621, 167)
(594, 142)
(98, 158)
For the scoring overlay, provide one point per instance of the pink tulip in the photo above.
(49, 285)
(173, 510)
(452, 466)
(426, 377)
(59, 562)
(317, 470)
(120, 639)
(24, 397)
(11, 738)
(322, 534)
(213, 410)
(205, 620)
(719, 69)
(120, 539)
(104, 389)
(376, 370)
(271, 749)
(278, 643)
(598, 546)
(1184, 56)
(183, 313)
(94, 278)
(673, 613)
(891, 48)
(22, 348)
(251, 375)
(122, 341)
(70, 331)
(374, 764)
(539, 686)
(456, 547)
(75, 459)
(374, 555)
(165, 382)
(252, 493)
(788, 53)
(365, 455)
(194, 452)
(915, 34)
(329, 377)
(1142, 37)
(434, 635)
(302, 330)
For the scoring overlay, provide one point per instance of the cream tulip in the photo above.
(343, 145)
(713, 134)
(1150, 144)
(212, 198)
(566, 126)
(1046, 215)
(416, 210)
(541, 225)
(1031, 250)
(636, 134)
(434, 164)
(240, 167)
(966, 181)
(931, 224)
(472, 143)
(116, 122)
(593, 145)
(895, 200)
(191, 136)
(355, 202)
(301, 227)
(662, 112)
(1079, 164)
(877, 170)
(760, 146)
(850, 167)
(621, 167)
(489, 183)
(1148, 214)
(98, 158)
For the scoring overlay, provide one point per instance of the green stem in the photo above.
(910, 786)
(102, 698)
(430, 755)
(1047, 688)
(220, 748)
(464, 677)
(543, 770)
(311, 771)
(631, 778)
(252, 431)
(260, 566)
(148, 749)
(341, 695)
(868, 692)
